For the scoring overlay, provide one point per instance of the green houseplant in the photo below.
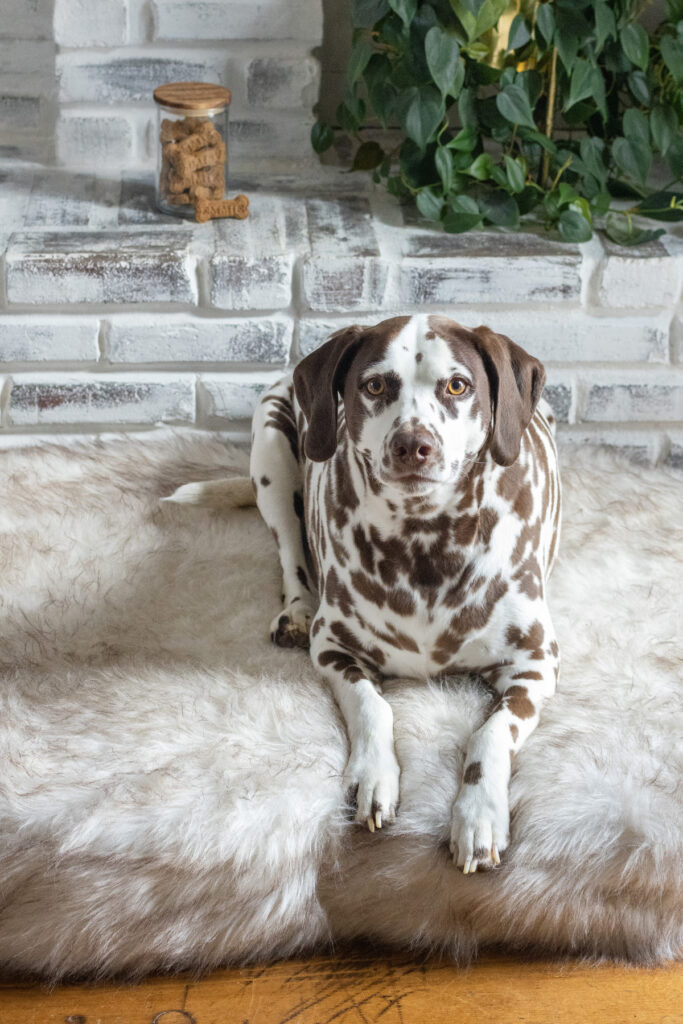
(503, 109)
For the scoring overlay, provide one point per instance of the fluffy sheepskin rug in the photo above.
(170, 792)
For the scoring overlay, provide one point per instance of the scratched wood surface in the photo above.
(364, 989)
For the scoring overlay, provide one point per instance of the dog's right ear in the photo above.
(318, 382)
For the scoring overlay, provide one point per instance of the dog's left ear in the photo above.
(516, 382)
(318, 382)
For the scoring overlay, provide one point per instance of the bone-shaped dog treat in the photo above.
(187, 163)
(207, 209)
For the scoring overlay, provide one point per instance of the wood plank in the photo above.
(366, 989)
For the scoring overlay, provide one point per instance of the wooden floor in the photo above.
(364, 989)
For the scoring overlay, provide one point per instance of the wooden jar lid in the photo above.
(192, 95)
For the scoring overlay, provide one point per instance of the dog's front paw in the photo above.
(372, 773)
(480, 826)
(292, 627)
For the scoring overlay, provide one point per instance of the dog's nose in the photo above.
(412, 447)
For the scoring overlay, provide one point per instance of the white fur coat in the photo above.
(170, 783)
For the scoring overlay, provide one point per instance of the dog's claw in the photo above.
(370, 824)
(378, 819)
(495, 856)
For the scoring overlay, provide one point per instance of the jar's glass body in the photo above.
(192, 157)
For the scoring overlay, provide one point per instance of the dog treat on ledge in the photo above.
(209, 209)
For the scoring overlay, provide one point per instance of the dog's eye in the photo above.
(374, 386)
(457, 386)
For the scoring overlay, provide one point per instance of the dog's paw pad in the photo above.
(292, 627)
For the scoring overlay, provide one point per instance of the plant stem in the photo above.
(550, 114)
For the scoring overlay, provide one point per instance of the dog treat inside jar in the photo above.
(192, 151)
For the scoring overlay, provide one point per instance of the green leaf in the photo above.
(358, 61)
(513, 104)
(574, 227)
(322, 137)
(443, 161)
(429, 203)
(541, 140)
(633, 158)
(600, 203)
(636, 126)
(350, 114)
(405, 10)
(545, 24)
(424, 115)
(481, 168)
(583, 82)
(605, 25)
(675, 157)
(640, 88)
(635, 44)
(443, 61)
(500, 208)
(465, 140)
(591, 150)
(366, 13)
(368, 156)
(566, 195)
(516, 173)
(664, 126)
(622, 230)
(666, 206)
(672, 55)
(461, 215)
(519, 33)
(467, 110)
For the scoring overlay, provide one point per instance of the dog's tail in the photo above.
(232, 492)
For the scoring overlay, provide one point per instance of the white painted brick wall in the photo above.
(90, 22)
(112, 317)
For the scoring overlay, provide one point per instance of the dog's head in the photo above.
(423, 396)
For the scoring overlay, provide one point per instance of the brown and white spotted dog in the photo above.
(410, 479)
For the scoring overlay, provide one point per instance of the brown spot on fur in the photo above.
(527, 675)
(365, 549)
(514, 731)
(472, 773)
(529, 641)
(337, 593)
(418, 355)
(554, 649)
(465, 530)
(368, 588)
(470, 619)
(345, 664)
(317, 625)
(264, 481)
(488, 518)
(401, 601)
(518, 703)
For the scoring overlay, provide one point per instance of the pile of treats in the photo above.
(193, 161)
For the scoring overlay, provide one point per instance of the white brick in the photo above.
(674, 451)
(253, 262)
(519, 268)
(25, 339)
(238, 19)
(15, 190)
(97, 141)
(90, 22)
(632, 395)
(37, 399)
(234, 396)
(26, 19)
(645, 276)
(639, 445)
(100, 267)
(281, 83)
(26, 66)
(573, 336)
(149, 339)
(20, 113)
(132, 74)
(677, 339)
(281, 142)
(61, 198)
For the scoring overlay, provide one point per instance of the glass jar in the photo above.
(192, 146)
